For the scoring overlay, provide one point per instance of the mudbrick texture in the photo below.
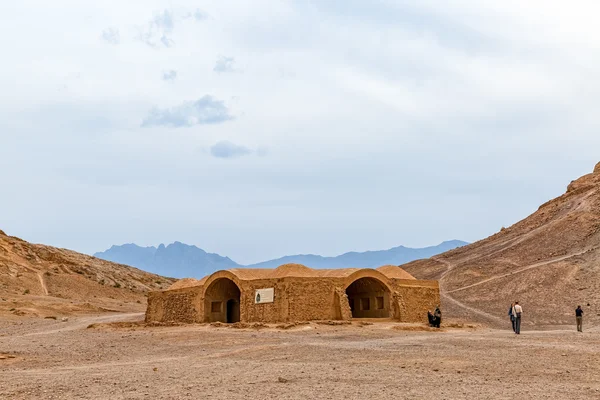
(300, 294)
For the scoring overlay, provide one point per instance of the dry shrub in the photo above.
(334, 323)
(417, 328)
(291, 325)
(130, 325)
(244, 325)
(461, 325)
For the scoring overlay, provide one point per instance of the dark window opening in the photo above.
(215, 307)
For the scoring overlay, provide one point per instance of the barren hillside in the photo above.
(38, 280)
(549, 262)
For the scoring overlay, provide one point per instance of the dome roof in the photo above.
(297, 271)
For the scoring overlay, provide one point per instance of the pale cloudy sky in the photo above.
(261, 128)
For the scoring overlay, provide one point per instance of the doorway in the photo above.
(222, 301)
(368, 298)
(233, 311)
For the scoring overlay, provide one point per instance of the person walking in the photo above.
(512, 316)
(517, 311)
(579, 318)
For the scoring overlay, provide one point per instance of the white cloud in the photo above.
(224, 64)
(169, 75)
(111, 35)
(226, 149)
(206, 110)
(157, 33)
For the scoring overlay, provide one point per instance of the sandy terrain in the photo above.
(44, 281)
(48, 359)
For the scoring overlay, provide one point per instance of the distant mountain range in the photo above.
(180, 260)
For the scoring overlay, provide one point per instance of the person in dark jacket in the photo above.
(579, 318)
(512, 316)
(437, 314)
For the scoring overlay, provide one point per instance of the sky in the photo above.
(265, 128)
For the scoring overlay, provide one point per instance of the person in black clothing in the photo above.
(579, 318)
(437, 314)
(431, 318)
(512, 317)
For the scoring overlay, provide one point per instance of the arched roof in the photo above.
(296, 271)
(395, 272)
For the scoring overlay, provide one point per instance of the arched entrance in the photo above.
(222, 301)
(368, 298)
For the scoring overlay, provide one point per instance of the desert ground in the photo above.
(103, 356)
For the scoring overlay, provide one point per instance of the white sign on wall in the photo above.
(264, 295)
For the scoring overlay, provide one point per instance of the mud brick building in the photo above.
(294, 292)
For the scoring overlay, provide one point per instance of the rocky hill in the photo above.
(45, 281)
(549, 262)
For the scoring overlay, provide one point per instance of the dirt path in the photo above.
(43, 283)
(481, 313)
(527, 268)
(84, 322)
(490, 317)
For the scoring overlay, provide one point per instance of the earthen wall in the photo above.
(295, 299)
(182, 305)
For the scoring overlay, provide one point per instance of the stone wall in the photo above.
(412, 299)
(295, 299)
(311, 299)
(182, 305)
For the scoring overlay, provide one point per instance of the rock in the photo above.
(282, 380)
(64, 319)
(596, 170)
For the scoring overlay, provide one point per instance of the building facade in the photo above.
(294, 292)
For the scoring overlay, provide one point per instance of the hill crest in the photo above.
(42, 280)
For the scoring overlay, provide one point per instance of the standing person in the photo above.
(517, 310)
(438, 316)
(579, 318)
(511, 315)
(430, 318)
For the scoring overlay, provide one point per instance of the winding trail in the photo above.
(450, 266)
(527, 268)
(471, 309)
(84, 322)
(43, 283)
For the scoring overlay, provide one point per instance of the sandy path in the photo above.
(517, 271)
(83, 322)
(43, 283)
